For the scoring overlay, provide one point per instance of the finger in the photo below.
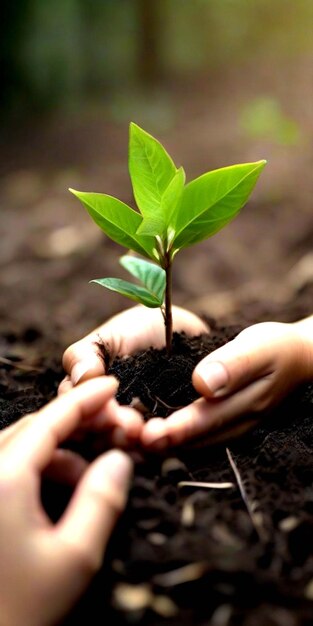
(38, 440)
(114, 438)
(233, 430)
(122, 334)
(188, 322)
(99, 499)
(65, 385)
(131, 421)
(205, 416)
(66, 467)
(124, 417)
(251, 355)
(132, 330)
(116, 425)
(82, 360)
(155, 434)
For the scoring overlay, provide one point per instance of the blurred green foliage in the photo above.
(263, 118)
(68, 51)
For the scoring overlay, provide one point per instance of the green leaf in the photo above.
(169, 206)
(211, 201)
(152, 276)
(134, 292)
(151, 170)
(117, 220)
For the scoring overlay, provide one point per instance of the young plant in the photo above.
(171, 216)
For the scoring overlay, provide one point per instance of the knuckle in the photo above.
(64, 386)
(68, 358)
(261, 403)
(257, 406)
(259, 329)
(30, 417)
(87, 561)
(264, 331)
(240, 368)
(108, 498)
(9, 478)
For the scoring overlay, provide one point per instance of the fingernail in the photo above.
(214, 374)
(80, 368)
(119, 467)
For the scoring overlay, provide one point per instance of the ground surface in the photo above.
(50, 248)
(182, 555)
(248, 570)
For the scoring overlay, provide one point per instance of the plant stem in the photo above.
(168, 320)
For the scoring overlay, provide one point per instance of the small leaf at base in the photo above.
(134, 292)
(152, 276)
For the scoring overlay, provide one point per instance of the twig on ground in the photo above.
(255, 517)
(196, 485)
(20, 366)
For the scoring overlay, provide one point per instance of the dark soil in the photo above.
(50, 248)
(25, 387)
(241, 555)
(259, 268)
(160, 384)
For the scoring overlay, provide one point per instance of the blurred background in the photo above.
(218, 82)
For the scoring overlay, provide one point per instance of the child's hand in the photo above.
(46, 567)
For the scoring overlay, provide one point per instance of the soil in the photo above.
(158, 383)
(252, 570)
(186, 555)
(50, 248)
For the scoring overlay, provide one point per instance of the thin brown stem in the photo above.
(168, 303)
(20, 366)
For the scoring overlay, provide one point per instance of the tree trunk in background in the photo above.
(149, 66)
(12, 79)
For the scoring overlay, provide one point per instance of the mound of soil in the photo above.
(160, 383)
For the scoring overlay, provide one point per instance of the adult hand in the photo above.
(132, 330)
(46, 567)
(239, 381)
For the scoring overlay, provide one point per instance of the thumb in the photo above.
(82, 361)
(236, 364)
(99, 499)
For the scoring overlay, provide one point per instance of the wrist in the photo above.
(304, 329)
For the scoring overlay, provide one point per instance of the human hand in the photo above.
(262, 364)
(135, 329)
(128, 332)
(239, 381)
(46, 567)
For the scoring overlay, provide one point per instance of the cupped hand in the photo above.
(238, 382)
(132, 330)
(46, 567)
(135, 329)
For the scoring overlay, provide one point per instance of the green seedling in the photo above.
(172, 215)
